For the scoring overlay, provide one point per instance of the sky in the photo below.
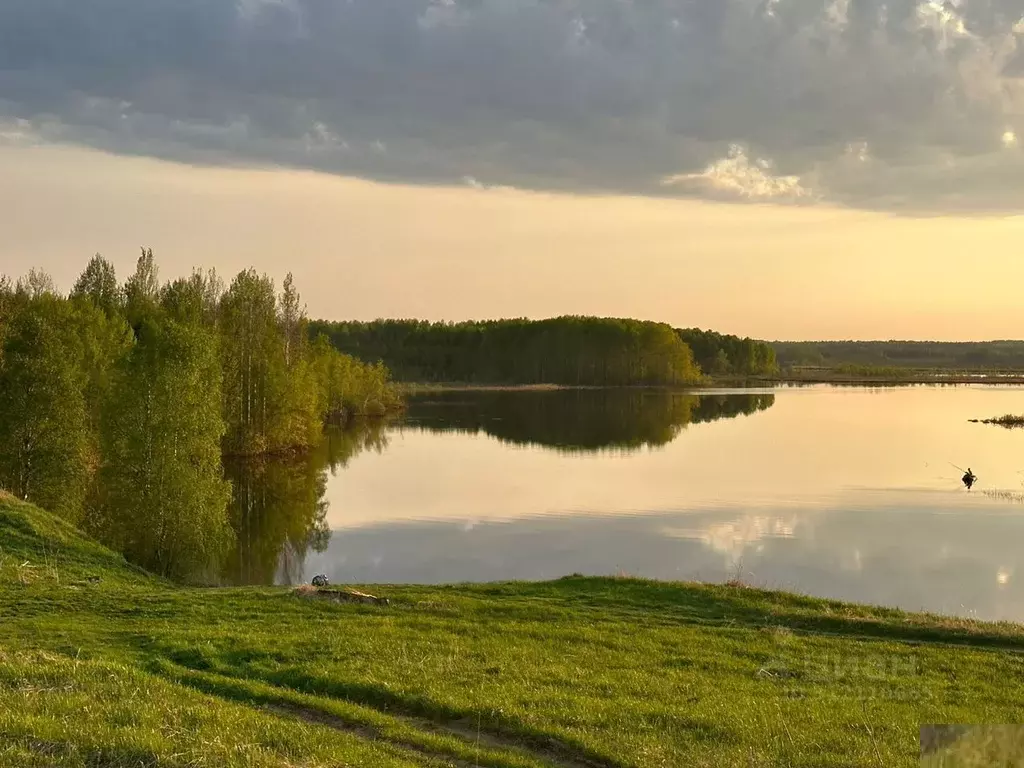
(784, 169)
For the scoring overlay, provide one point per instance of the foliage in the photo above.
(43, 418)
(117, 402)
(165, 497)
(957, 356)
(724, 355)
(98, 284)
(565, 350)
(35, 284)
(349, 386)
(194, 299)
(253, 365)
(142, 289)
(128, 670)
(7, 300)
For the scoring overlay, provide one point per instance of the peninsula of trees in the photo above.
(569, 350)
(118, 401)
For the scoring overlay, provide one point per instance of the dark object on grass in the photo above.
(969, 478)
(320, 580)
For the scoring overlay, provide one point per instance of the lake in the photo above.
(844, 492)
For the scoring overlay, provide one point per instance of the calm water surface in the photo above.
(834, 491)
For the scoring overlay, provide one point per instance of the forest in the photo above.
(121, 400)
(961, 356)
(724, 355)
(568, 350)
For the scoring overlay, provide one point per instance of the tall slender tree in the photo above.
(166, 500)
(98, 283)
(7, 303)
(142, 289)
(194, 299)
(43, 423)
(36, 283)
(253, 363)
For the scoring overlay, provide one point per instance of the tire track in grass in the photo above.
(474, 748)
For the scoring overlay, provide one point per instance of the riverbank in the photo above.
(739, 382)
(425, 388)
(102, 664)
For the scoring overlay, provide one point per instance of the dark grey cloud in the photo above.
(911, 105)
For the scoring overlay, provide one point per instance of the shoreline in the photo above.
(417, 388)
(503, 674)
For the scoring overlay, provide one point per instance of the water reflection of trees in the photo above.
(580, 420)
(279, 507)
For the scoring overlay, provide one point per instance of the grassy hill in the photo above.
(102, 665)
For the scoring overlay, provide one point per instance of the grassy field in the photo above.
(102, 665)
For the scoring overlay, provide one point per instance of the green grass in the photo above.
(130, 670)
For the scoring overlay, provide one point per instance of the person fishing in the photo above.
(969, 478)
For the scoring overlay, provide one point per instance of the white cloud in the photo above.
(735, 175)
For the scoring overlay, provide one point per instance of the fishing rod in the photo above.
(969, 477)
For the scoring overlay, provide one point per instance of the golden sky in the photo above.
(363, 250)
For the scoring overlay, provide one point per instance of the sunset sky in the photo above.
(773, 168)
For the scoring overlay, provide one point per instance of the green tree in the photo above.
(194, 299)
(562, 350)
(98, 283)
(142, 289)
(165, 501)
(721, 366)
(96, 342)
(253, 364)
(292, 317)
(35, 284)
(43, 423)
(7, 304)
(299, 417)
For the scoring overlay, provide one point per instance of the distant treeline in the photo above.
(965, 356)
(724, 355)
(118, 401)
(569, 350)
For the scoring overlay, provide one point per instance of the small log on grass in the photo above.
(340, 595)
